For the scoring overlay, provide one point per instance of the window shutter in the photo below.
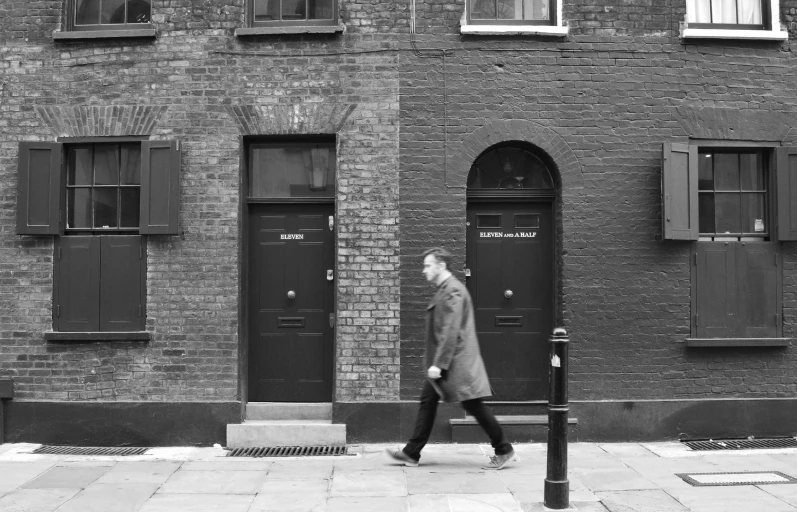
(122, 284)
(78, 277)
(679, 212)
(716, 290)
(787, 193)
(758, 292)
(39, 188)
(160, 187)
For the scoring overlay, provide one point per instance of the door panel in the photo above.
(290, 302)
(510, 257)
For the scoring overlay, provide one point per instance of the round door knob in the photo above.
(291, 294)
(508, 294)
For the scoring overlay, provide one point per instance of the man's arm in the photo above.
(446, 327)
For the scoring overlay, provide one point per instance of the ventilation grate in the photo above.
(288, 451)
(741, 444)
(88, 450)
(740, 478)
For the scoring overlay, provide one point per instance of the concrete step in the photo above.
(517, 429)
(253, 433)
(288, 411)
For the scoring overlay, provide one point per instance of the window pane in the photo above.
(723, 11)
(106, 165)
(267, 10)
(508, 9)
(130, 207)
(705, 172)
(287, 171)
(138, 11)
(131, 164)
(78, 207)
(706, 209)
(483, 9)
(79, 172)
(294, 9)
(754, 213)
(320, 9)
(728, 213)
(726, 171)
(113, 11)
(750, 12)
(87, 12)
(105, 207)
(536, 10)
(752, 172)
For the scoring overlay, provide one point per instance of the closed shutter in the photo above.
(758, 290)
(716, 290)
(787, 193)
(78, 278)
(122, 290)
(160, 187)
(679, 213)
(39, 188)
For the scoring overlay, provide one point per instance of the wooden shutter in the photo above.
(787, 193)
(78, 279)
(39, 188)
(160, 187)
(758, 290)
(122, 290)
(679, 212)
(715, 292)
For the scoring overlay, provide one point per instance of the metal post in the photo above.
(557, 487)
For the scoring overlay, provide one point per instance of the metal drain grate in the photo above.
(741, 444)
(88, 450)
(741, 478)
(288, 451)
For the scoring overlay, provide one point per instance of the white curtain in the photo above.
(536, 10)
(723, 11)
(750, 12)
(698, 11)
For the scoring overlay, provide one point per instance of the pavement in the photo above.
(615, 477)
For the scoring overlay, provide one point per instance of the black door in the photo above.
(291, 262)
(510, 259)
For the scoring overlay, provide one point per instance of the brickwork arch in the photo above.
(566, 167)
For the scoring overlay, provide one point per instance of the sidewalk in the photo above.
(603, 477)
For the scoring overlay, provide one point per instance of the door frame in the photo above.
(243, 264)
(516, 196)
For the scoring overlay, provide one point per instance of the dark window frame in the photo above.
(70, 21)
(766, 17)
(250, 15)
(551, 21)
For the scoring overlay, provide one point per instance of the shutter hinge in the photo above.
(695, 259)
(696, 317)
(58, 312)
(140, 252)
(776, 259)
(59, 253)
(139, 310)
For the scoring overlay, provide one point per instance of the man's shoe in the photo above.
(400, 456)
(500, 461)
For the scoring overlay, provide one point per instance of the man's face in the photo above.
(432, 268)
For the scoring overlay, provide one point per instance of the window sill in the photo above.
(710, 33)
(510, 30)
(737, 342)
(289, 29)
(97, 336)
(105, 34)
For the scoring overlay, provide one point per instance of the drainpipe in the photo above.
(6, 393)
(557, 487)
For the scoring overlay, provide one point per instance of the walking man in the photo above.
(455, 367)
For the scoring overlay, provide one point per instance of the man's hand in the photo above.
(433, 372)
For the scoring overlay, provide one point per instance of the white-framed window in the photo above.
(506, 17)
(733, 19)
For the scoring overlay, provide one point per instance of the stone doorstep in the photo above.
(288, 411)
(256, 433)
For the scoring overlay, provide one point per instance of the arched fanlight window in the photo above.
(509, 168)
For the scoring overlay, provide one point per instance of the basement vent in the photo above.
(288, 451)
(742, 478)
(88, 450)
(741, 444)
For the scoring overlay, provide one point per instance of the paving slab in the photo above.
(784, 492)
(369, 483)
(288, 502)
(624, 450)
(214, 482)
(231, 464)
(429, 503)
(156, 472)
(295, 487)
(367, 504)
(67, 477)
(640, 501)
(483, 503)
(124, 497)
(613, 479)
(198, 503)
(743, 498)
(307, 469)
(36, 500)
(16, 474)
(455, 483)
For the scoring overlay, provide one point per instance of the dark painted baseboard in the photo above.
(120, 423)
(598, 421)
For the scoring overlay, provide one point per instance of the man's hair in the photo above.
(440, 254)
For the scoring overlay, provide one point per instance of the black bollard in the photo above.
(557, 487)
